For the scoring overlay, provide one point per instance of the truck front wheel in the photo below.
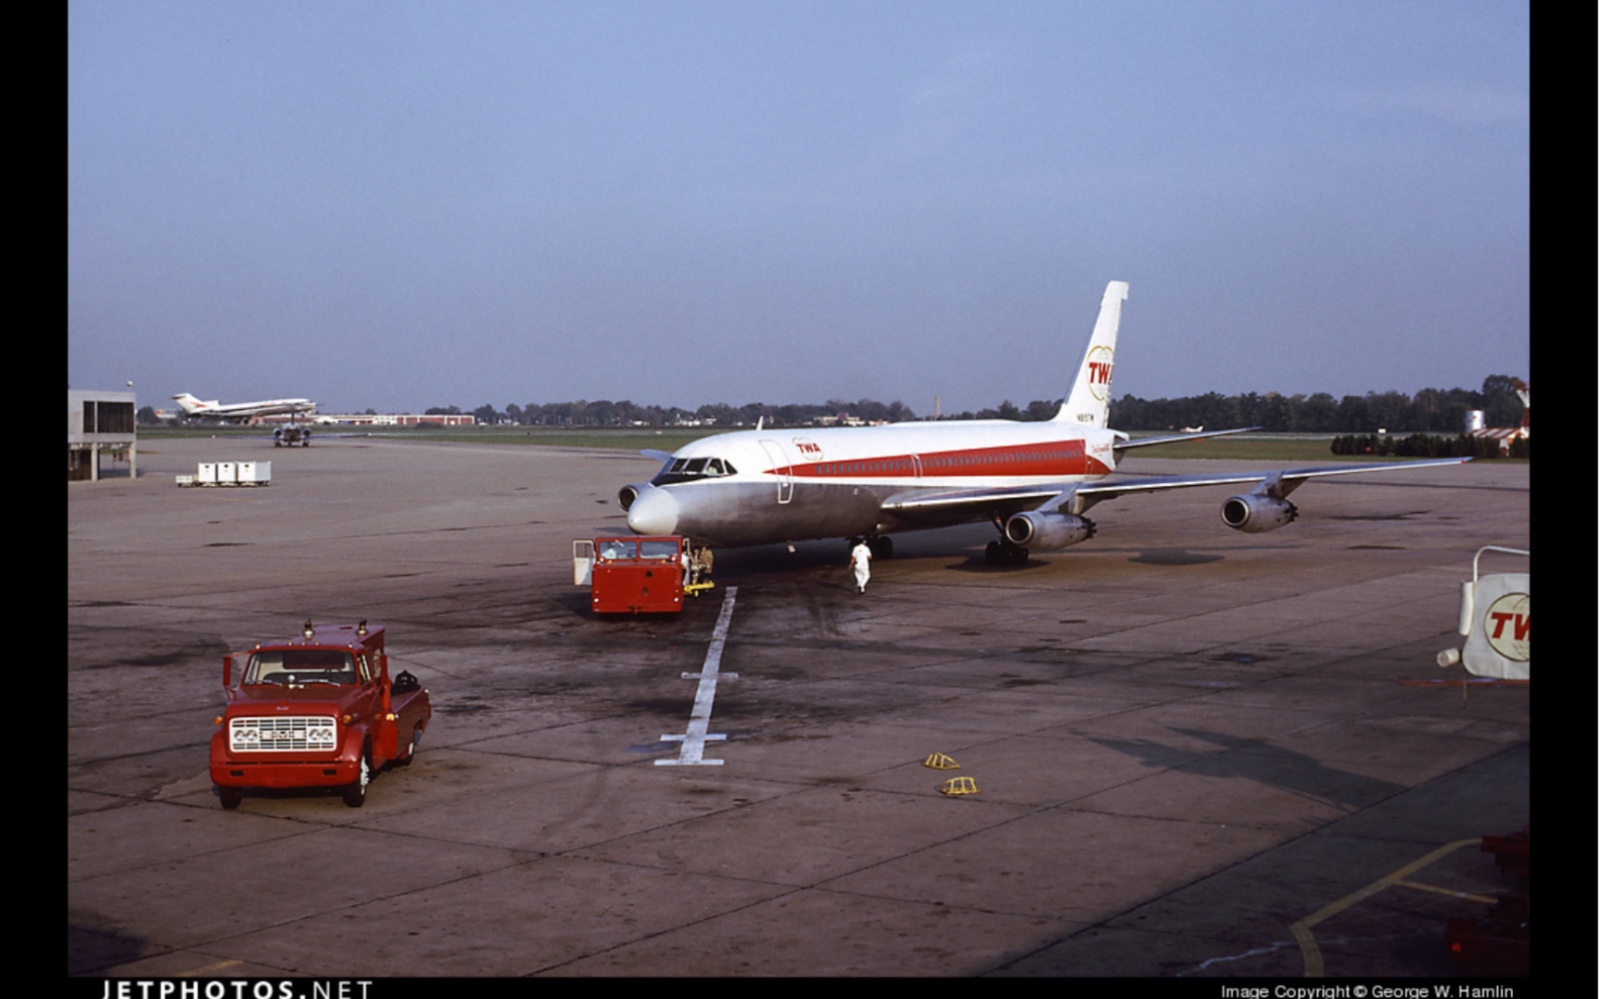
(231, 796)
(355, 794)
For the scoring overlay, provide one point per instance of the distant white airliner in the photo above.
(238, 412)
(1033, 481)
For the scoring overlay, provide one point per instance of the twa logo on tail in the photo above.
(1089, 402)
(1099, 364)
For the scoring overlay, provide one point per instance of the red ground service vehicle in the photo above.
(319, 710)
(632, 574)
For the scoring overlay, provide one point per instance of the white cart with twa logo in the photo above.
(1496, 621)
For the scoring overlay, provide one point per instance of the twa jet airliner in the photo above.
(1033, 481)
(240, 412)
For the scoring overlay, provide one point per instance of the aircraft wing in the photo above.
(1077, 497)
(1271, 483)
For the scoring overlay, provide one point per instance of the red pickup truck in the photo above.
(319, 710)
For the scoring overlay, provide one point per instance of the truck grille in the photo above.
(282, 735)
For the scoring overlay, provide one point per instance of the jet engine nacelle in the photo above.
(1253, 513)
(1047, 530)
(627, 494)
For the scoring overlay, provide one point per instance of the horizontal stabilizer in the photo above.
(1124, 445)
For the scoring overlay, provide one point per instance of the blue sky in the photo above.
(407, 204)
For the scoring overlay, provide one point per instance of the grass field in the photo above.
(1273, 447)
(628, 438)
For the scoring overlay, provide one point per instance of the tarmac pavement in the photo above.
(1196, 753)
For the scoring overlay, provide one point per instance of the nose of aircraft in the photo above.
(653, 512)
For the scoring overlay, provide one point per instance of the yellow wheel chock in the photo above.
(938, 761)
(958, 785)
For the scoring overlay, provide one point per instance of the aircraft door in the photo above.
(785, 475)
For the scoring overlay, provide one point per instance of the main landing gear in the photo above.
(1004, 553)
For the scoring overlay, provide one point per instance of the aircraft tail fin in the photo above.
(191, 404)
(1089, 402)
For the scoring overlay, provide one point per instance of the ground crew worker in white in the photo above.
(861, 558)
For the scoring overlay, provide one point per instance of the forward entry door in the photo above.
(785, 476)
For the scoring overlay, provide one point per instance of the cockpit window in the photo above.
(693, 469)
(658, 549)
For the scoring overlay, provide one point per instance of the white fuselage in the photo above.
(760, 486)
(211, 409)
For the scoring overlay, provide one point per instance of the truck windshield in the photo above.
(289, 667)
(612, 549)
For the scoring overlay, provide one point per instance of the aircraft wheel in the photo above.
(231, 796)
(999, 553)
(882, 547)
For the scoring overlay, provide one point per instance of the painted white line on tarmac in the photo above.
(692, 752)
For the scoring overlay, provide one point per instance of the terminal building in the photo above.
(97, 423)
(1476, 423)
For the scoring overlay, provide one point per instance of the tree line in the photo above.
(1429, 411)
(1430, 446)
(606, 413)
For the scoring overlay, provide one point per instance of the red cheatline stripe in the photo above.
(1056, 458)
